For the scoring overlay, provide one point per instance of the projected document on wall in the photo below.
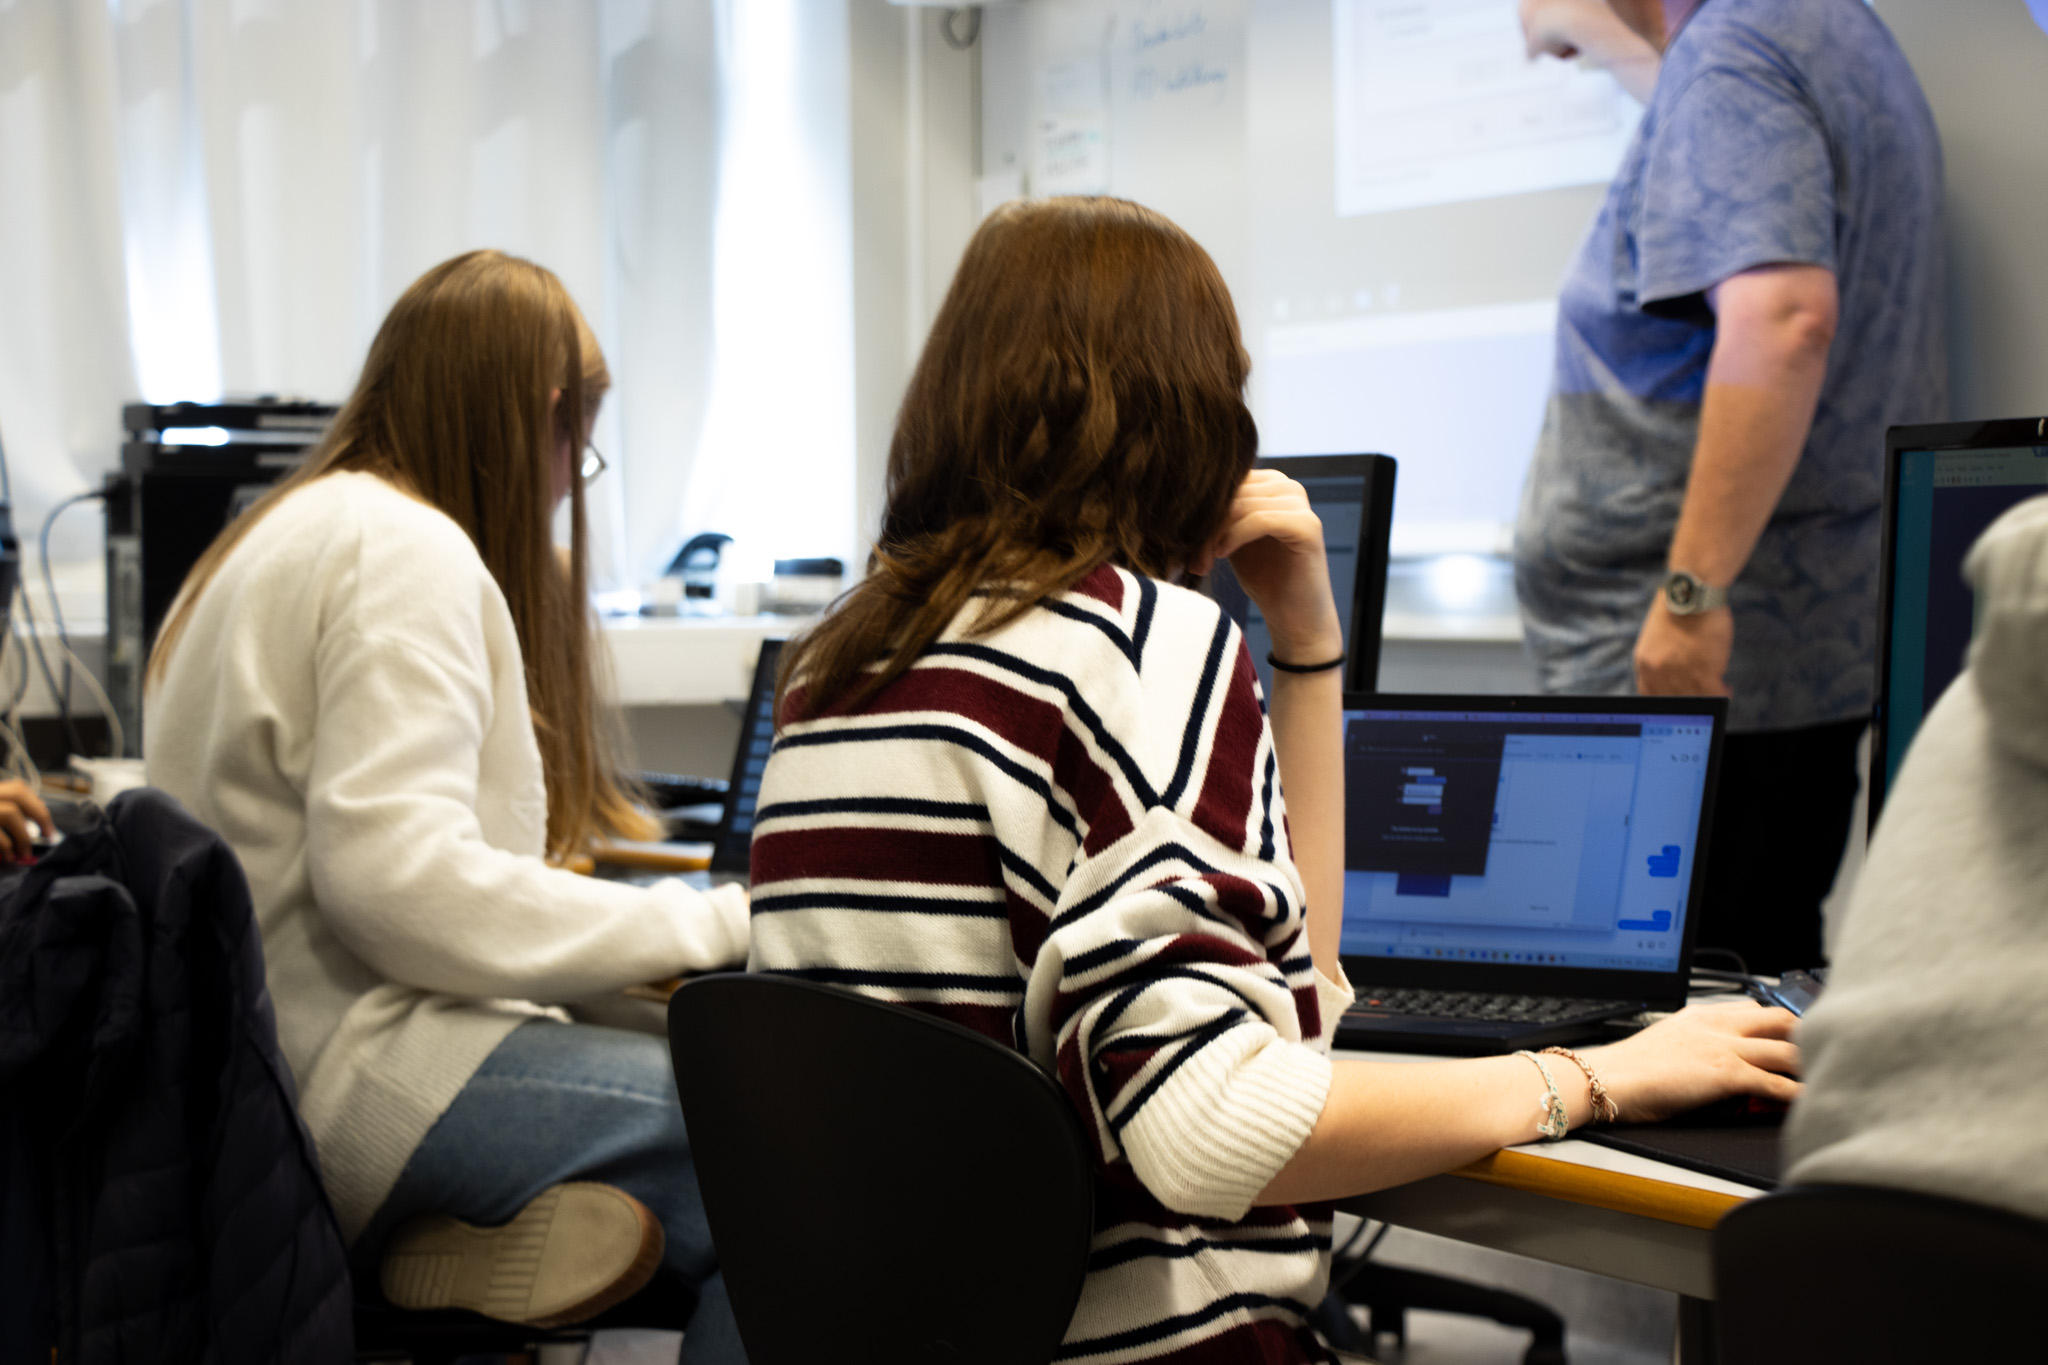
(1463, 389)
(1437, 102)
(1391, 188)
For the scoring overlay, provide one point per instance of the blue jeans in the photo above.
(558, 1102)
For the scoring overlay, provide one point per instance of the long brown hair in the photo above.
(1080, 402)
(454, 408)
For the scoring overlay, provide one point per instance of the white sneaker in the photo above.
(573, 1252)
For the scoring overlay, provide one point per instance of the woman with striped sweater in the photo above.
(1025, 782)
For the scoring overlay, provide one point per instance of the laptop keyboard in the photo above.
(1507, 1009)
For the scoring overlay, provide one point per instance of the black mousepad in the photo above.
(1734, 1140)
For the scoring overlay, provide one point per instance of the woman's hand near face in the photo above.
(1274, 541)
(19, 804)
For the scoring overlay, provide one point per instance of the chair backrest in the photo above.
(881, 1185)
(1836, 1272)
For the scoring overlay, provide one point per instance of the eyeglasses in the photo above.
(593, 465)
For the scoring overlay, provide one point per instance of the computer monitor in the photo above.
(1354, 496)
(1944, 485)
(1531, 845)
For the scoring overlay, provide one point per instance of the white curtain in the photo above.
(65, 364)
(232, 192)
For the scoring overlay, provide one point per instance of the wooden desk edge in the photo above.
(649, 859)
(1633, 1194)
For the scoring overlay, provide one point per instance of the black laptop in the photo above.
(1519, 870)
(732, 838)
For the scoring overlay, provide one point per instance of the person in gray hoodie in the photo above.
(1925, 1060)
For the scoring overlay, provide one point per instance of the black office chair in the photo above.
(1389, 1293)
(1837, 1272)
(883, 1186)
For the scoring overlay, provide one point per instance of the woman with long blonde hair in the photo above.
(378, 685)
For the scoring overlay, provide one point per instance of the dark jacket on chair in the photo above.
(161, 1201)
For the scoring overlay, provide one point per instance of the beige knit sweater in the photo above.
(1927, 1056)
(347, 707)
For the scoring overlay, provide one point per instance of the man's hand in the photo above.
(1684, 656)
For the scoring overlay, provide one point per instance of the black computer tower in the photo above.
(186, 470)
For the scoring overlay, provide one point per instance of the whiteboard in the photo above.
(1393, 194)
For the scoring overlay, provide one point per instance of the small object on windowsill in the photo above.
(695, 570)
(662, 597)
(805, 587)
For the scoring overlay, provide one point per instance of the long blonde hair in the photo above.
(454, 408)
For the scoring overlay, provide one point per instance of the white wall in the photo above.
(1984, 64)
(916, 105)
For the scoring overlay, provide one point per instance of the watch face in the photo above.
(1680, 591)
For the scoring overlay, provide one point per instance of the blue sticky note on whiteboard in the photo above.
(2039, 9)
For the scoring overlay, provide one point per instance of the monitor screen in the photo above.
(1943, 501)
(1552, 839)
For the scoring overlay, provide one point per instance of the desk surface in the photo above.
(1572, 1203)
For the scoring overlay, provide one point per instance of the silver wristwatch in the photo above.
(1687, 594)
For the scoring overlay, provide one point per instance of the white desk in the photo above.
(704, 660)
(1578, 1204)
(689, 660)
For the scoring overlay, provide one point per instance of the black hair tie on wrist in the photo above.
(1337, 662)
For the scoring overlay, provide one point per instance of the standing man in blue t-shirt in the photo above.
(1759, 298)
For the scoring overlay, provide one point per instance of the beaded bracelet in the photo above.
(1555, 1122)
(1605, 1110)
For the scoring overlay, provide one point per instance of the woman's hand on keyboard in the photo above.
(1699, 1055)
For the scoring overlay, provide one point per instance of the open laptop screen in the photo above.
(757, 736)
(1948, 484)
(1537, 834)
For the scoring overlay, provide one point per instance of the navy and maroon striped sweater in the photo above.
(1068, 835)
